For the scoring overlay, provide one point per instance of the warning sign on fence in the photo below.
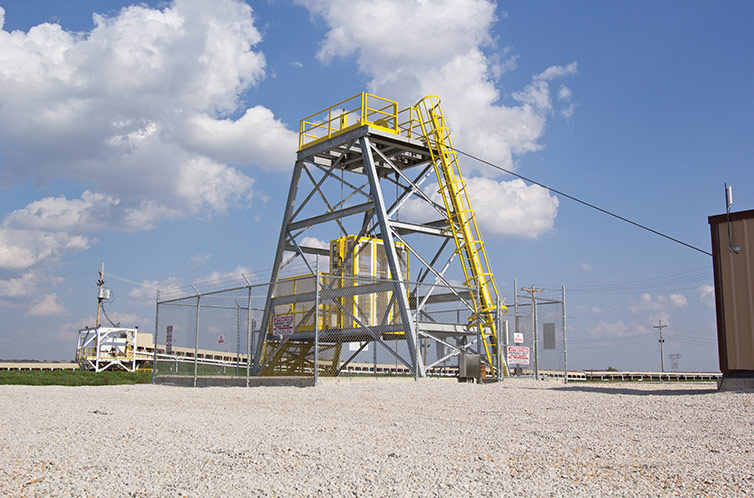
(518, 355)
(282, 325)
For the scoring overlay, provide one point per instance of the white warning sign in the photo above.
(282, 325)
(518, 355)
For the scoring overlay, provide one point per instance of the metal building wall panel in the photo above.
(734, 290)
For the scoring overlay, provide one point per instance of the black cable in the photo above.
(582, 202)
(108, 318)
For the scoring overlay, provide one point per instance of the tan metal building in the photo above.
(733, 264)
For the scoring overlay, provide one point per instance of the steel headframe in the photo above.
(378, 159)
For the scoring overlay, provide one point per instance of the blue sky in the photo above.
(134, 138)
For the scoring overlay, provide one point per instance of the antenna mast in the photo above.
(100, 282)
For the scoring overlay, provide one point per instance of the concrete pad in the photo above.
(727, 383)
(220, 381)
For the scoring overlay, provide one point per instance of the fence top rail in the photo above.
(210, 293)
(326, 279)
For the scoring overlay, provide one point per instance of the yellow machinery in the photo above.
(367, 264)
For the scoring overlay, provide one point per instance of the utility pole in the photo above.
(100, 282)
(533, 290)
(661, 341)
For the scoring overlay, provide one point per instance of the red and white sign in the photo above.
(518, 355)
(282, 325)
(518, 337)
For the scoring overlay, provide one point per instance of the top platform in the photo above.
(359, 110)
(327, 134)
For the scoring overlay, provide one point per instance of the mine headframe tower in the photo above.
(361, 163)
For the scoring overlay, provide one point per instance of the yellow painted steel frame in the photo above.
(361, 109)
(295, 358)
(470, 247)
(374, 304)
(300, 284)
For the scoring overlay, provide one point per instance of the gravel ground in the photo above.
(378, 437)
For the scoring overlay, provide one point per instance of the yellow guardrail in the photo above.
(359, 110)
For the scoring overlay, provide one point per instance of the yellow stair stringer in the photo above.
(297, 359)
(469, 245)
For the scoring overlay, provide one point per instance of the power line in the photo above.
(612, 339)
(582, 202)
(133, 282)
(682, 277)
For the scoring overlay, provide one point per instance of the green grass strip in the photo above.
(72, 378)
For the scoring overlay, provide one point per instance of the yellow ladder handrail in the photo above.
(469, 245)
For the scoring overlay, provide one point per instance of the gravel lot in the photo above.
(378, 437)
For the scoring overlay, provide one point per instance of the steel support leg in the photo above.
(392, 256)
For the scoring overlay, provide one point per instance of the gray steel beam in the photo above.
(311, 193)
(282, 239)
(327, 294)
(392, 257)
(308, 250)
(333, 215)
(404, 227)
(333, 143)
(429, 267)
(330, 208)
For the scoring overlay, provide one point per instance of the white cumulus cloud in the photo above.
(21, 249)
(145, 109)
(707, 294)
(609, 330)
(658, 303)
(172, 287)
(678, 300)
(508, 208)
(47, 306)
(412, 48)
(314, 242)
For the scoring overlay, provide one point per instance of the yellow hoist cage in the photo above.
(368, 264)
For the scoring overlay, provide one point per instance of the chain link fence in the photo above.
(213, 338)
(207, 335)
(543, 354)
(360, 330)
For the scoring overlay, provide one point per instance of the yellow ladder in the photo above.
(469, 245)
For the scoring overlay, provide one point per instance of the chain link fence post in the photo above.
(536, 341)
(565, 341)
(316, 324)
(154, 338)
(248, 332)
(196, 336)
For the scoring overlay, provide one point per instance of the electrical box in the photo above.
(469, 366)
(104, 294)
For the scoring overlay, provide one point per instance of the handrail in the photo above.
(359, 110)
